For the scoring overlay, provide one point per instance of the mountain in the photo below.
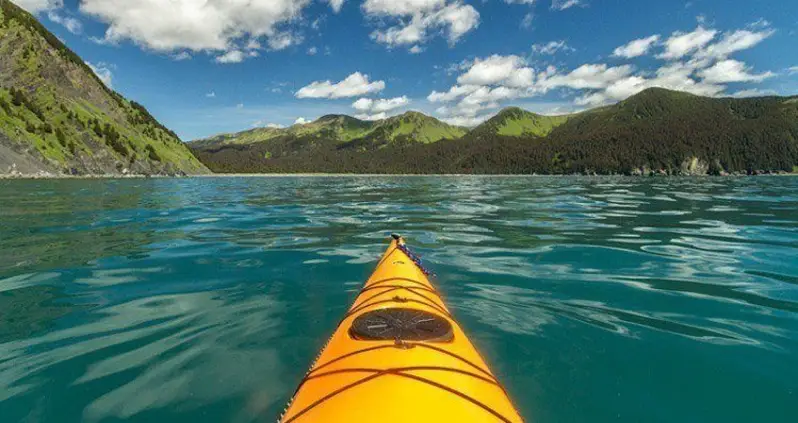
(654, 132)
(517, 122)
(339, 131)
(331, 129)
(412, 127)
(57, 116)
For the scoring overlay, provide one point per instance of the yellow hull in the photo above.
(398, 356)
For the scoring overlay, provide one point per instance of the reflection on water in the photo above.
(595, 299)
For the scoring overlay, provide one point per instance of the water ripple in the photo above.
(595, 299)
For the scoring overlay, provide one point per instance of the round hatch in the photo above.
(401, 324)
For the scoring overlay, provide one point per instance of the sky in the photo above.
(205, 67)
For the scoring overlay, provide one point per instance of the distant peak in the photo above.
(413, 114)
(659, 91)
(510, 112)
(327, 118)
(512, 109)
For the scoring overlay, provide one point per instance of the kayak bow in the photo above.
(398, 355)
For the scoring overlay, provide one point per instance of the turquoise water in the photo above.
(205, 300)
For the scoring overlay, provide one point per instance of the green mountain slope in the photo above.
(408, 128)
(516, 122)
(330, 128)
(655, 132)
(334, 131)
(56, 116)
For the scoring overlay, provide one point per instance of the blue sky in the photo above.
(210, 66)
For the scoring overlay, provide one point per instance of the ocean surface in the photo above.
(593, 299)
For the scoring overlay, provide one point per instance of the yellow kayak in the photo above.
(399, 356)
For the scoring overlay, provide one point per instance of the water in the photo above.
(205, 300)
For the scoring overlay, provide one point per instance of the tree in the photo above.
(5, 106)
(59, 135)
(17, 97)
(152, 154)
(119, 147)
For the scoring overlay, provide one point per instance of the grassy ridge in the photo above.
(341, 132)
(516, 122)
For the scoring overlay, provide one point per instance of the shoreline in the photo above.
(357, 175)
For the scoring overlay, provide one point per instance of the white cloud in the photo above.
(354, 85)
(301, 121)
(386, 105)
(636, 48)
(732, 71)
(754, 92)
(71, 24)
(232, 56)
(529, 18)
(681, 44)
(520, 1)
(510, 70)
(793, 70)
(565, 4)
(401, 7)
(312, 51)
(704, 71)
(476, 102)
(36, 6)
(211, 94)
(103, 71)
(551, 47)
(695, 62)
(483, 84)
(378, 109)
(377, 116)
(590, 76)
(336, 5)
(454, 93)
(452, 20)
(680, 77)
(486, 96)
(733, 42)
(183, 55)
(52, 7)
(274, 126)
(466, 121)
(381, 105)
(363, 104)
(759, 23)
(209, 25)
(675, 76)
(416, 50)
(283, 40)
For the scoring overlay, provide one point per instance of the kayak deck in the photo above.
(398, 355)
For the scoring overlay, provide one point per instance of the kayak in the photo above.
(398, 355)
